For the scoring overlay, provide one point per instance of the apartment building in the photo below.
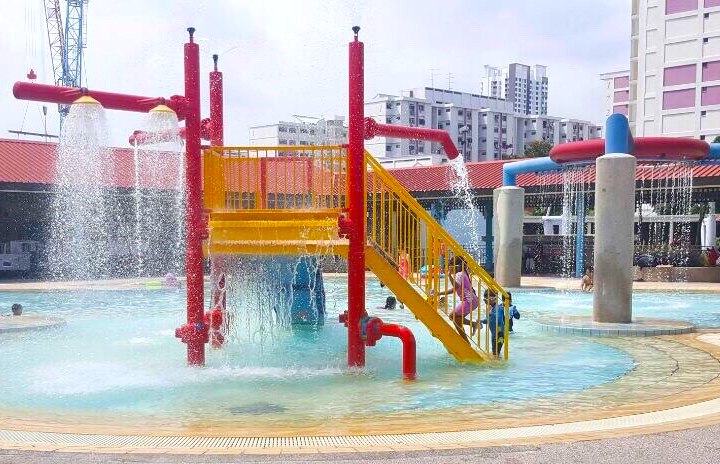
(305, 131)
(526, 87)
(675, 68)
(482, 127)
(617, 92)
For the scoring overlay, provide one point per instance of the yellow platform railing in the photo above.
(275, 178)
(417, 245)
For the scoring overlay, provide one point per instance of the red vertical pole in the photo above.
(193, 179)
(217, 133)
(356, 203)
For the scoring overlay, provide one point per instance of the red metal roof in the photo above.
(30, 162)
(488, 175)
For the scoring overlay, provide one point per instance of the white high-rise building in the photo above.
(482, 127)
(617, 92)
(675, 68)
(304, 131)
(526, 87)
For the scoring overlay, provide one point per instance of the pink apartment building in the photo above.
(674, 79)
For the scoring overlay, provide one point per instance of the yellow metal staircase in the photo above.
(278, 200)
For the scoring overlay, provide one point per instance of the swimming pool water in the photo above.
(117, 355)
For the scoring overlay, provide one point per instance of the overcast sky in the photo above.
(281, 58)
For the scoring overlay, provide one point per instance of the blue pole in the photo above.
(714, 151)
(580, 234)
(618, 138)
(489, 258)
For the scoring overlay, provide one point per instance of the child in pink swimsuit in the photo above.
(462, 286)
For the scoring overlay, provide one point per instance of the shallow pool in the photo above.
(117, 355)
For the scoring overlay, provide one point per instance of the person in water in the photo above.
(390, 303)
(170, 281)
(586, 284)
(495, 320)
(16, 309)
(462, 286)
(513, 311)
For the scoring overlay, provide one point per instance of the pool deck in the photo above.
(675, 385)
(574, 285)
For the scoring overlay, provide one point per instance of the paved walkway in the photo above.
(558, 283)
(693, 446)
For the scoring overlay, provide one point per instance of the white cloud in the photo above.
(290, 57)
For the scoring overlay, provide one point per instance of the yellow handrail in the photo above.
(407, 235)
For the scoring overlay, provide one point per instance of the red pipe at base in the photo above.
(109, 100)
(374, 329)
(409, 358)
(374, 129)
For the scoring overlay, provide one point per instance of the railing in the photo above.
(293, 177)
(423, 252)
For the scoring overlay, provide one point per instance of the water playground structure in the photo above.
(314, 200)
(317, 200)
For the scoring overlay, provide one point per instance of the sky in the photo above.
(282, 57)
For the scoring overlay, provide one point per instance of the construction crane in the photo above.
(66, 43)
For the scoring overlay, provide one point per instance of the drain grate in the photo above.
(18, 438)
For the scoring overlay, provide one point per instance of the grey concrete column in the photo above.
(614, 221)
(509, 211)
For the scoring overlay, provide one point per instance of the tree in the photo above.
(716, 139)
(537, 149)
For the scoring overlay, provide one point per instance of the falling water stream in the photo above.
(79, 247)
(460, 185)
(159, 196)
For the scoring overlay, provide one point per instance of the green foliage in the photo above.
(538, 149)
(716, 139)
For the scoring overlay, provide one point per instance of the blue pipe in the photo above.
(511, 170)
(618, 138)
(714, 151)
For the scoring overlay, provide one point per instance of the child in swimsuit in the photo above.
(468, 303)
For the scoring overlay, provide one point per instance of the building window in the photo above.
(680, 6)
(282, 142)
(292, 130)
(291, 142)
(679, 99)
(388, 106)
(675, 75)
(282, 129)
(710, 95)
(303, 131)
(421, 121)
(421, 108)
(388, 147)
